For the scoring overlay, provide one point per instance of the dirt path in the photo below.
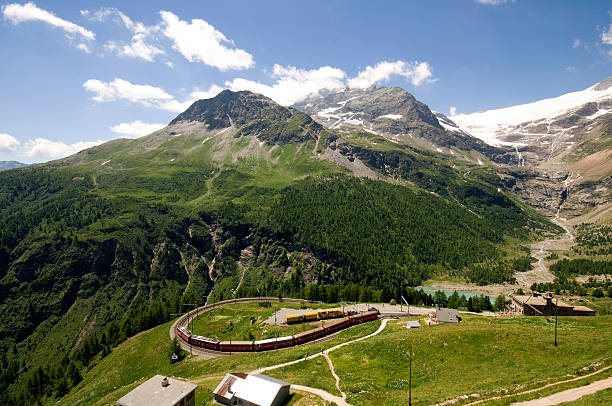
(542, 387)
(323, 394)
(333, 372)
(340, 401)
(569, 395)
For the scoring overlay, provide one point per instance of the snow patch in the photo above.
(439, 149)
(599, 112)
(392, 116)
(327, 113)
(342, 103)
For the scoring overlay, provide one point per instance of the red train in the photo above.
(279, 342)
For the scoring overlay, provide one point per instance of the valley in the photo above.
(365, 199)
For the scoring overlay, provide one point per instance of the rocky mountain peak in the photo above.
(250, 114)
(232, 108)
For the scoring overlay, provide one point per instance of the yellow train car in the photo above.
(294, 318)
(329, 313)
(311, 316)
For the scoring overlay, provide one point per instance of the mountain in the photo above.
(237, 196)
(4, 165)
(395, 114)
(567, 140)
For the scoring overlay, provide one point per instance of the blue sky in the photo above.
(78, 73)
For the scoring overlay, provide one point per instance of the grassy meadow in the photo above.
(481, 355)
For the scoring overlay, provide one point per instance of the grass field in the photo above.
(480, 355)
(147, 354)
(246, 321)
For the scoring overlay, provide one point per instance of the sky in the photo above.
(76, 74)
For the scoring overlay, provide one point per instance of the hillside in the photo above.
(486, 356)
(236, 192)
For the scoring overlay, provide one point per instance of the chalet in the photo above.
(447, 315)
(251, 390)
(538, 305)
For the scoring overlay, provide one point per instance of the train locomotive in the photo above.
(278, 342)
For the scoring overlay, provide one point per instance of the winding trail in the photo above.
(569, 395)
(336, 377)
(323, 394)
(340, 401)
(547, 386)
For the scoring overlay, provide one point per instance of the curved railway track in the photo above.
(210, 353)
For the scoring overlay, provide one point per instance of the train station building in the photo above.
(161, 391)
(251, 390)
(546, 305)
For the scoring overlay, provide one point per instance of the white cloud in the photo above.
(293, 84)
(136, 128)
(453, 111)
(84, 48)
(17, 13)
(576, 43)
(417, 73)
(170, 64)
(139, 46)
(145, 95)
(199, 41)
(8, 143)
(606, 37)
(44, 148)
(122, 89)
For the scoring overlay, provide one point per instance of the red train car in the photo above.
(363, 317)
(309, 335)
(337, 325)
(273, 343)
(235, 346)
(183, 333)
(205, 342)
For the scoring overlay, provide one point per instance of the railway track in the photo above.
(209, 353)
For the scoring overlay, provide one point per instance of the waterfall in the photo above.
(521, 160)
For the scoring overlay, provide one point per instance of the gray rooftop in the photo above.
(152, 392)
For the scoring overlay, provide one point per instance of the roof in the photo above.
(447, 311)
(257, 388)
(539, 301)
(582, 309)
(152, 392)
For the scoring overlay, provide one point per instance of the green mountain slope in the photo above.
(238, 195)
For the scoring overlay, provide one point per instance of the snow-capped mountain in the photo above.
(546, 131)
(395, 114)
